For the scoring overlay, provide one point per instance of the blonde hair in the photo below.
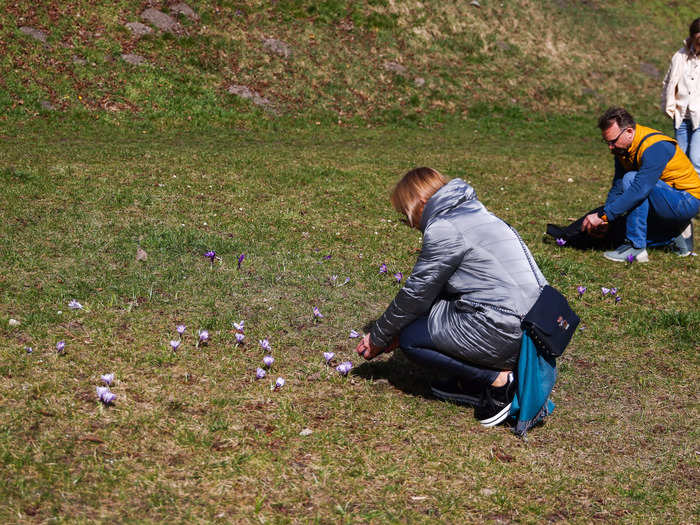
(413, 191)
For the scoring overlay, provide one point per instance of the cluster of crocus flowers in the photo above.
(334, 281)
(74, 305)
(604, 291)
(104, 394)
(268, 360)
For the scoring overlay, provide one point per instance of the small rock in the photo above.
(141, 254)
(569, 180)
(247, 93)
(136, 60)
(36, 34)
(395, 67)
(13, 322)
(487, 492)
(475, 3)
(649, 69)
(161, 20)
(182, 8)
(78, 61)
(45, 104)
(277, 47)
(139, 29)
(419, 82)
(306, 432)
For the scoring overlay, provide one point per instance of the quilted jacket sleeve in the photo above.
(442, 252)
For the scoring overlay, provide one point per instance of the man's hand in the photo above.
(366, 349)
(592, 223)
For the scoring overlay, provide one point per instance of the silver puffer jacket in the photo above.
(472, 279)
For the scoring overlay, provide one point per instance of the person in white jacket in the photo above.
(680, 97)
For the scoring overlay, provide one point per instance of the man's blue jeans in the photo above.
(416, 343)
(689, 141)
(661, 216)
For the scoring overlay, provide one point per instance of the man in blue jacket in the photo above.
(655, 186)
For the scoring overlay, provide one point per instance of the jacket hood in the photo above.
(450, 195)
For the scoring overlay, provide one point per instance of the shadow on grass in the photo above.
(399, 372)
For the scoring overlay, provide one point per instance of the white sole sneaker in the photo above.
(495, 420)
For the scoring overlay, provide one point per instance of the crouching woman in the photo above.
(459, 312)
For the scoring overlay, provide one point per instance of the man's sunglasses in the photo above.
(613, 141)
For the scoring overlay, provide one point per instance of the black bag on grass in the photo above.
(577, 238)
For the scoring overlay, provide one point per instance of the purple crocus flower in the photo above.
(28, 349)
(104, 395)
(107, 379)
(268, 360)
(398, 276)
(334, 278)
(581, 290)
(561, 242)
(279, 383)
(101, 390)
(265, 344)
(344, 368)
(317, 313)
(328, 356)
(354, 334)
(239, 326)
(239, 337)
(260, 373)
(203, 336)
(605, 291)
(630, 258)
(211, 254)
(75, 305)
(325, 258)
(60, 346)
(180, 329)
(346, 281)
(618, 298)
(174, 344)
(613, 291)
(240, 260)
(383, 268)
(108, 398)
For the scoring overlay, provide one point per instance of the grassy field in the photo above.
(193, 436)
(117, 179)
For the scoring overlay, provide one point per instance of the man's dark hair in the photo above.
(619, 115)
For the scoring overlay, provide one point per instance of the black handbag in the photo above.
(551, 323)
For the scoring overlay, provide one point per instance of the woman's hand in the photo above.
(366, 349)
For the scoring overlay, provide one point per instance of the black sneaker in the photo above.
(453, 390)
(495, 403)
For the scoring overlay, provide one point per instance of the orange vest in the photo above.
(678, 173)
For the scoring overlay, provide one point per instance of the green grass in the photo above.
(194, 437)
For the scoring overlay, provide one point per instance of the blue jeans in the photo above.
(689, 141)
(661, 216)
(416, 343)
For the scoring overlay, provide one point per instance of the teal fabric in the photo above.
(536, 377)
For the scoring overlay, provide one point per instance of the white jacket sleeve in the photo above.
(673, 75)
